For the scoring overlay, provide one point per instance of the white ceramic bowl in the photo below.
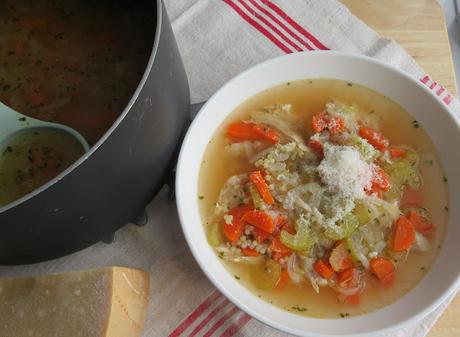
(439, 122)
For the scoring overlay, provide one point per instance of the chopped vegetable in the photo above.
(323, 269)
(257, 200)
(384, 269)
(340, 258)
(349, 279)
(302, 240)
(266, 276)
(421, 223)
(282, 280)
(351, 299)
(316, 147)
(323, 121)
(374, 137)
(404, 235)
(250, 252)
(380, 180)
(277, 246)
(344, 228)
(397, 153)
(262, 187)
(260, 220)
(242, 131)
(235, 228)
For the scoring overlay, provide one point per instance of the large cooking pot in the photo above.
(120, 174)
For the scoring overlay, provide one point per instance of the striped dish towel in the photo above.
(218, 39)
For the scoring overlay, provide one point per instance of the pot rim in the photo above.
(108, 133)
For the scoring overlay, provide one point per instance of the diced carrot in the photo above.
(351, 299)
(277, 246)
(380, 180)
(340, 258)
(374, 137)
(384, 269)
(421, 224)
(323, 121)
(397, 153)
(282, 280)
(242, 131)
(260, 220)
(260, 235)
(316, 147)
(281, 221)
(404, 235)
(234, 230)
(411, 198)
(258, 180)
(349, 278)
(250, 252)
(319, 122)
(278, 256)
(323, 269)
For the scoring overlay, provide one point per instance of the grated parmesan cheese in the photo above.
(343, 171)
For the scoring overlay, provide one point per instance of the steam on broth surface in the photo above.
(356, 258)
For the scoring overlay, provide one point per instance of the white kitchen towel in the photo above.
(218, 39)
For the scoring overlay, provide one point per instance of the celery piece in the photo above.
(257, 200)
(404, 171)
(357, 250)
(302, 240)
(363, 213)
(214, 234)
(366, 150)
(344, 227)
(266, 275)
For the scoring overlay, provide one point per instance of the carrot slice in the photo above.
(397, 153)
(340, 258)
(234, 230)
(262, 187)
(351, 299)
(316, 147)
(404, 235)
(323, 269)
(421, 224)
(411, 198)
(260, 220)
(380, 180)
(384, 269)
(374, 137)
(323, 121)
(277, 246)
(242, 131)
(260, 235)
(349, 278)
(282, 280)
(250, 252)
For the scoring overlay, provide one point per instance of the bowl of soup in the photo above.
(315, 191)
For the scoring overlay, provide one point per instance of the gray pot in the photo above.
(114, 181)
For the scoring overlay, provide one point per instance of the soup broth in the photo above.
(307, 98)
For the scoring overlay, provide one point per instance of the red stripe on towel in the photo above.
(433, 85)
(232, 329)
(440, 91)
(425, 79)
(448, 99)
(295, 25)
(269, 25)
(221, 322)
(257, 26)
(208, 318)
(280, 24)
(195, 314)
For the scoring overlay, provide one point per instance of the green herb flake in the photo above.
(446, 208)
(221, 255)
(200, 197)
(288, 83)
(299, 309)
(415, 124)
(422, 268)
(344, 314)
(372, 111)
(237, 277)
(350, 84)
(22, 119)
(444, 179)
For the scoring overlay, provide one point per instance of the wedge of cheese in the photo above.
(107, 302)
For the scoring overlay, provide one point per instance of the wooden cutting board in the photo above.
(419, 26)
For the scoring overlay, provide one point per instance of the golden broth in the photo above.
(308, 97)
